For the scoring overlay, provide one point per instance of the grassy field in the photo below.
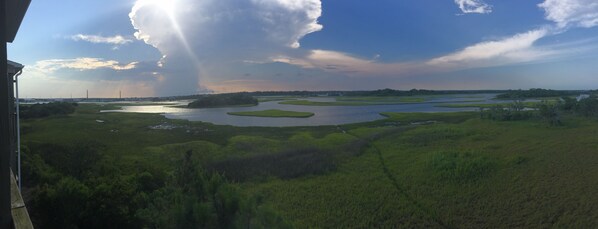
(458, 172)
(490, 105)
(274, 114)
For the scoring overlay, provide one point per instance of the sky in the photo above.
(182, 47)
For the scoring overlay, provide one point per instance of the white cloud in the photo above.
(582, 13)
(474, 6)
(81, 64)
(114, 40)
(226, 28)
(192, 34)
(517, 47)
(346, 64)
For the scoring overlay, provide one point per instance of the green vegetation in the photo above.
(490, 105)
(461, 171)
(41, 110)
(382, 100)
(375, 93)
(512, 112)
(316, 103)
(413, 92)
(535, 93)
(550, 111)
(275, 98)
(274, 114)
(223, 100)
(460, 166)
(358, 101)
(454, 117)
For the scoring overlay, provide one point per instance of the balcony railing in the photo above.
(20, 216)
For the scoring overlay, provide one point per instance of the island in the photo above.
(224, 100)
(274, 114)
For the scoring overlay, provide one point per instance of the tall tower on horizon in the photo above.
(87, 94)
(120, 94)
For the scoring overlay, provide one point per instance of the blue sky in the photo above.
(178, 47)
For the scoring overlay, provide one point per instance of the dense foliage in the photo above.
(534, 93)
(221, 100)
(413, 92)
(41, 110)
(548, 111)
(512, 112)
(457, 171)
(197, 199)
(101, 197)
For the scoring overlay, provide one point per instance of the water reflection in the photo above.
(323, 115)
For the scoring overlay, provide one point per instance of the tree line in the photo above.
(535, 93)
(221, 100)
(548, 111)
(42, 110)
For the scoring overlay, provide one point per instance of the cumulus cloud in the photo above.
(582, 13)
(81, 64)
(114, 40)
(473, 6)
(191, 34)
(225, 28)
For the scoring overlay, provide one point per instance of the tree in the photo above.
(588, 107)
(550, 113)
(195, 198)
(62, 205)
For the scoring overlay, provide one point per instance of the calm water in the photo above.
(323, 115)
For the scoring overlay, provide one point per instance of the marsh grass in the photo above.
(463, 171)
(460, 167)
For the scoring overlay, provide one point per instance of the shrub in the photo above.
(550, 113)
(513, 112)
(587, 107)
(41, 110)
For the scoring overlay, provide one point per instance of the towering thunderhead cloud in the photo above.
(192, 34)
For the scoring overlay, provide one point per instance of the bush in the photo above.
(41, 110)
(75, 160)
(587, 107)
(513, 112)
(195, 198)
(550, 113)
(568, 103)
(62, 205)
